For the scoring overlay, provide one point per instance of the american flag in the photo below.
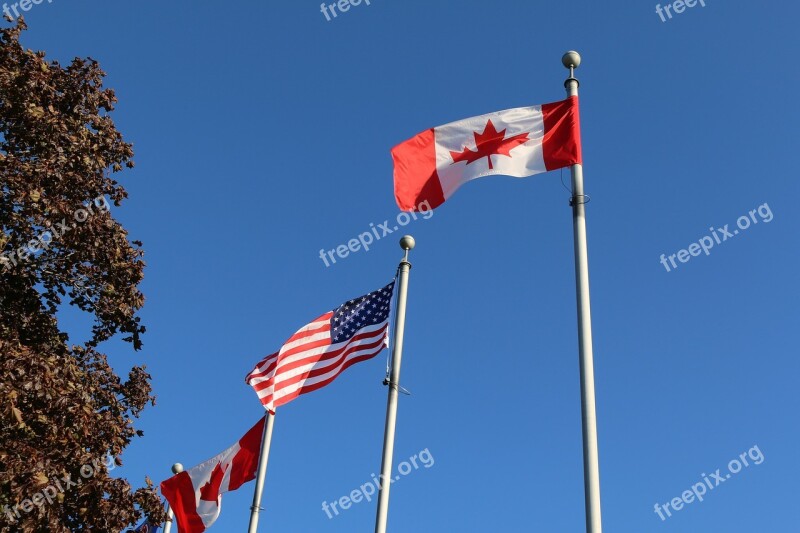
(355, 331)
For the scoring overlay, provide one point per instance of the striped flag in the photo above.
(355, 331)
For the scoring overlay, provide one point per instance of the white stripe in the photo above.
(263, 365)
(303, 340)
(320, 350)
(294, 357)
(281, 376)
(332, 372)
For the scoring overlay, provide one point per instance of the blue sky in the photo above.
(262, 135)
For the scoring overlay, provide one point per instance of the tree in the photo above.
(64, 410)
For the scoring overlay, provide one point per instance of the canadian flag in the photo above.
(516, 142)
(195, 495)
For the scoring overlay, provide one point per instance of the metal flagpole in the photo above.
(406, 243)
(177, 468)
(591, 466)
(266, 441)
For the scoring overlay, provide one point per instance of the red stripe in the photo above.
(318, 343)
(259, 371)
(415, 177)
(281, 356)
(319, 371)
(317, 358)
(376, 347)
(324, 323)
(332, 354)
(179, 492)
(315, 386)
(256, 373)
(245, 462)
(561, 145)
(285, 367)
(296, 350)
(279, 365)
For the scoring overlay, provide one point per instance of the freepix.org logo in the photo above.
(368, 489)
(364, 240)
(678, 6)
(343, 6)
(24, 5)
(712, 481)
(60, 485)
(54, 232)
(720, 235)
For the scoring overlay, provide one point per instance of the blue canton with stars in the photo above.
(358, 313)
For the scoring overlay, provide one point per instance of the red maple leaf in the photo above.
(490, 142)
(210, 490)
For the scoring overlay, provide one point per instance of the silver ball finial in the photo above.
(177, 468)
(407, 242)
(571, 59)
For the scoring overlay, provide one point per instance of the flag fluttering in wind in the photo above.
(518, 142)
(195, 495)
(317, 353)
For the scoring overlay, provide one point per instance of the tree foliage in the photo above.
(63, 407)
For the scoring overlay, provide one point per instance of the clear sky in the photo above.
(262, 134)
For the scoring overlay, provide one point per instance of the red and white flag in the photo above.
(518, 142)
(318, 352)
(195, 495)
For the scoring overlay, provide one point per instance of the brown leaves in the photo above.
(36, 111)
(15, 412)
(17, 415)
(41, 478)
(63, 406)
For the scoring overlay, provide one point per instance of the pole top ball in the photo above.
(407, 242)
(571, 59)
(177, 468)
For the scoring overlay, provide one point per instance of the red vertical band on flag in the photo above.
(179, 492)
(190, 491)
(245, 462)
(561, 145)
(415, 177)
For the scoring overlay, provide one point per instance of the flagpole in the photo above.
(266, 441)
(177, 468)
(591, 463)
(406, 243)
